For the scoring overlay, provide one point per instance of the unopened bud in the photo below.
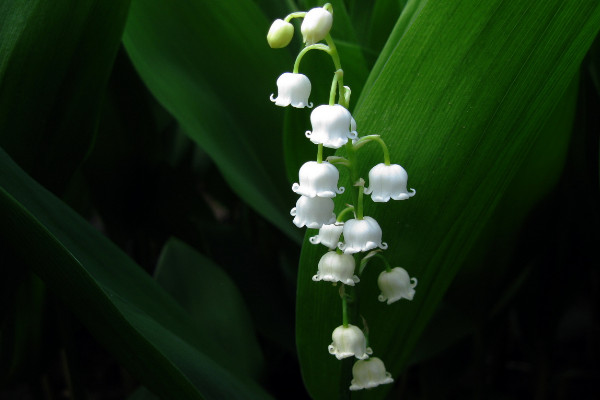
(280, 34)
(316, 25)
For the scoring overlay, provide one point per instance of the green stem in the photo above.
(345, 211)
(301, 14)
(333, 53)
(318, 46)
(338, 66)
(359, 211)
(320, 153)
(374, 138)
(336, 160)
(344, 307)
(388, 267)
(332, 90)
(353, 167)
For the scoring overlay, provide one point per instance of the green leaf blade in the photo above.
(119, 303)
(179, 51)
(56, 60)
(460, 101)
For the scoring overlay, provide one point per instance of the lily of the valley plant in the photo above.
(346, 239)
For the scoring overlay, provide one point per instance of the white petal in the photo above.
(396, 285)
(293, 89)
(388, 181)
(369, 373)
(331, 126)
(362, 235)
(316, 25)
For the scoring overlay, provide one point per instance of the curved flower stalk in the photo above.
(313, 212)
(369, 373)
(318, 179)
(292, 89)
(396, 284)
(349, 341)
(361, 235)
(329, 235)
(316, 25)
(334, 267)
(388, 181)
(332, 126)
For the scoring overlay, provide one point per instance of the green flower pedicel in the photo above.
(349, 234)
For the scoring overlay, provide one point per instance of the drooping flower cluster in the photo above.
(346, 239)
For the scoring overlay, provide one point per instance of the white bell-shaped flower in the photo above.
(332, 126)
(369, 373)
(361, 235)
(292, 89)
(313, 212)
(329, 235)
(349, 341)
(388, 181)
(280, 34)
(316, 25)
(334, 267)
(396, 285)
(318, 179)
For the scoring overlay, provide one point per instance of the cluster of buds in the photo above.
(334, 127)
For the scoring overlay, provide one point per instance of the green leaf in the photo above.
(56, 60)
(144, 328)
(214, 302)
(460, 100)
(485, 275)
(205, 63)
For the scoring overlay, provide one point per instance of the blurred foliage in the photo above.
(146, 247)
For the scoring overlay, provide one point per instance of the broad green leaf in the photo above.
(144, 328)
(460, 96)
(56, 60)
(205, 62)
(213, 301)
(485, 274)
(410, 12)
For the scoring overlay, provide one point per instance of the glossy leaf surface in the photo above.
(213, 301)
(205, 63)
(460, 96)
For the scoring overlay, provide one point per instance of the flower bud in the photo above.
(316, 25)
(280, 34)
